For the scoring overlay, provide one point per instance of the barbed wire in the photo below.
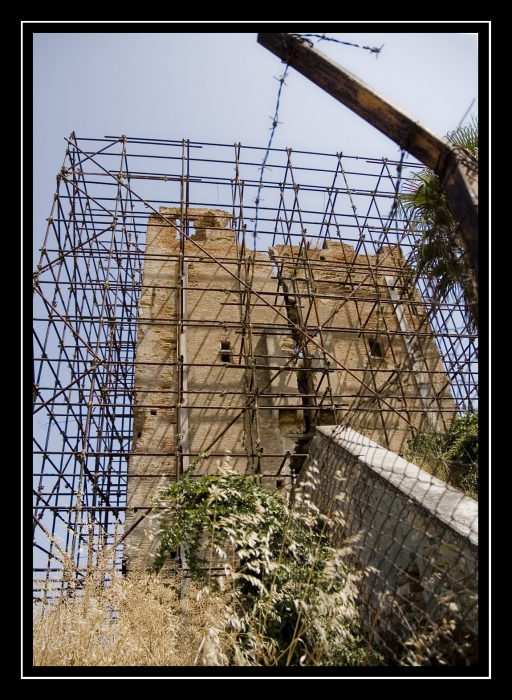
(322, 37)
(276, 122)
(273, 128)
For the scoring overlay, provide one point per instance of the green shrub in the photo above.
(292, 600)
(452, 456)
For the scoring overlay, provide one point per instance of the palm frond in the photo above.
(439, 253)
(466, 137)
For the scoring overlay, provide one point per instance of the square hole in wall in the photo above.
(225, 354)
(375, 348)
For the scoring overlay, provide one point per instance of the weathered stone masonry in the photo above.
(199, 358)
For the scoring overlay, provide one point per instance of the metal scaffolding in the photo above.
(87, 290)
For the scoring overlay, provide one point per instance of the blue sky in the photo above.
(219, 87)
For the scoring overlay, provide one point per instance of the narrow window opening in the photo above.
(225, 355)
(279, 483)
(139, 434)
(153, 411)
(375, 348)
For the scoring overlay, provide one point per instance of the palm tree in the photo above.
(439, 254)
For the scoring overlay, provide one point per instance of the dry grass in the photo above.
(134, 621)
(291, 599)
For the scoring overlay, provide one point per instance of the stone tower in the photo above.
(222, 365)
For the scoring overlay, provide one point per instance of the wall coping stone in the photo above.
(446, 503)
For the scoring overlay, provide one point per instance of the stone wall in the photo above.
(387, 375)
(176, 415)
(415, 538)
